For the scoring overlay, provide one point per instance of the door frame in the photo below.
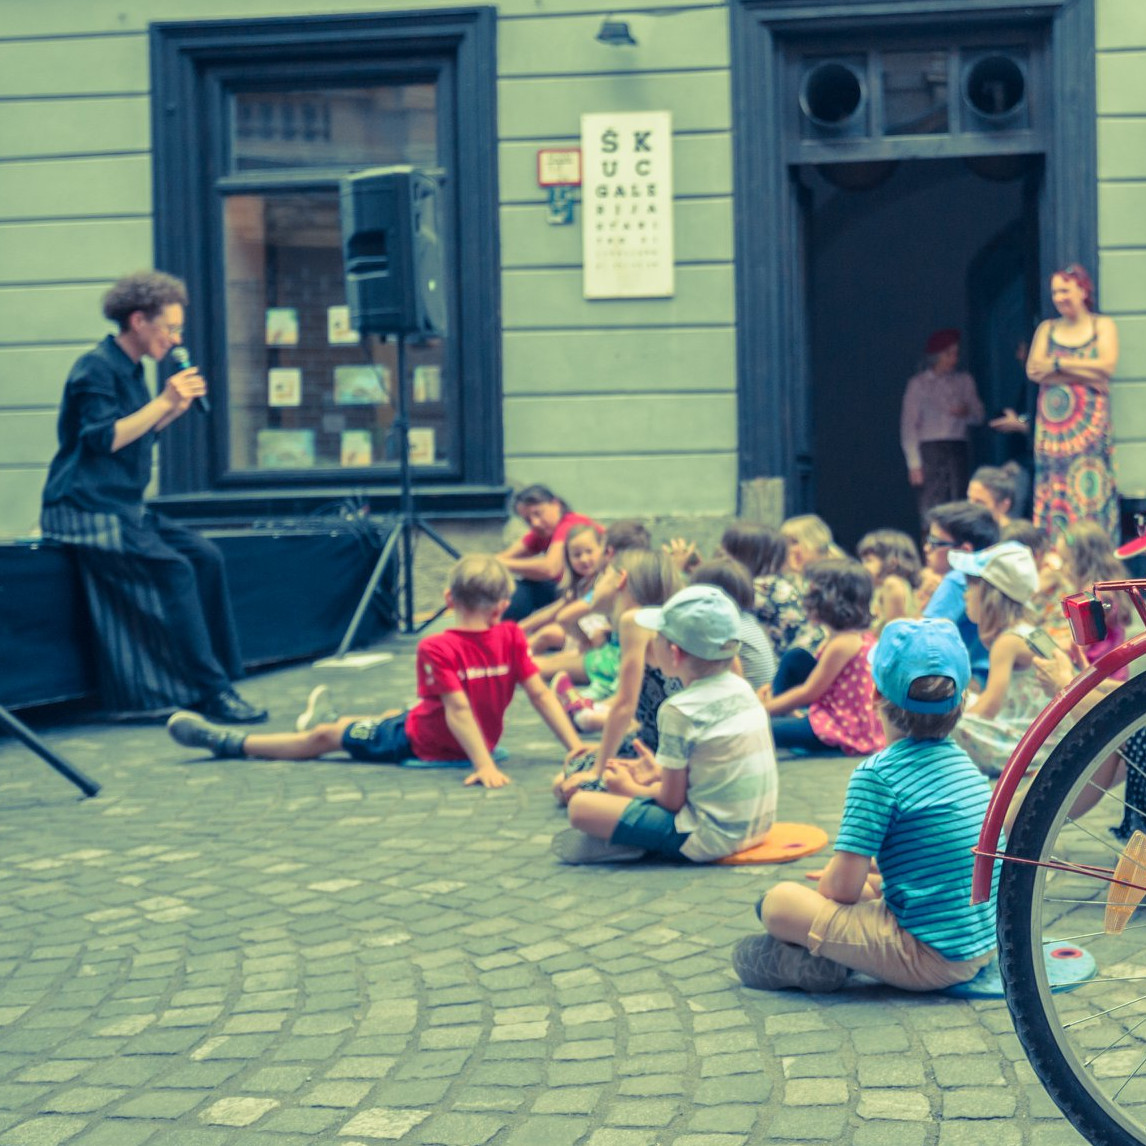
(773, 377)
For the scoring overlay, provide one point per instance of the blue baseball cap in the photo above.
(702, 619)
(910, 649)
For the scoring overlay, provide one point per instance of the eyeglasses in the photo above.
(173, 331)
(930, 542)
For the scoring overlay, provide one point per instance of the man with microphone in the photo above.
(157, 590)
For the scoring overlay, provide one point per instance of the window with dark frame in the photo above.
(282, 111)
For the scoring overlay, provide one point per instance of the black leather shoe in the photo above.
(228, 707)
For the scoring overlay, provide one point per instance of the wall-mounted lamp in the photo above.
(616, 33)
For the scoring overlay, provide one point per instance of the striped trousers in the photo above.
(159, 604)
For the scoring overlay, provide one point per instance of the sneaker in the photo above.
(572, 846)
(571, 700)
(770, 964)
(228, 707)
(319, 709)
(192, 731)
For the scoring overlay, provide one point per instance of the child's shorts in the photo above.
(645, 824)
(867, 937)
(602, 667)
(378, 741)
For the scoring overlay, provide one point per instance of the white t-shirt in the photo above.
(719, 731)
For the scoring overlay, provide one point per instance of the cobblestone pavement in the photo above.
(219, 952)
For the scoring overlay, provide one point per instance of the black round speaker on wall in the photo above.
(995, 92)
(833, 98)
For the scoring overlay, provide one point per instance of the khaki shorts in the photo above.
(867, 937)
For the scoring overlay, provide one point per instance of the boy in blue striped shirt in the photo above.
(894, 900)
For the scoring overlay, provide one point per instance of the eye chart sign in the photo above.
(627, 225)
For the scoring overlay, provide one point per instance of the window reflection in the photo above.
(304, 391)
(375, 127)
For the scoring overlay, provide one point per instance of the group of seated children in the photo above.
(691, 671)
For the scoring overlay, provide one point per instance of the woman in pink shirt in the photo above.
(537, 560)
(939, 404)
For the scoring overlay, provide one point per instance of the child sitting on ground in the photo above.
(756, 661)
(597, 666)
(957, 525)
(1087, 557)
(1046, 604)
(838, 692)
(717, 786)
(1000, 583)
(892, 559)
(893, 902)
(634, 580)
(809, 539)
(994, 488)
(466, 679)
(778, 602)
(554, 626)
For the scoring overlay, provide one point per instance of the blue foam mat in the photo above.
(1067, 967)
(499, 754)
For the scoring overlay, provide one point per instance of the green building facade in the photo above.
(628, 406)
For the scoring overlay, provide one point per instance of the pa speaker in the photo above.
(391, 252)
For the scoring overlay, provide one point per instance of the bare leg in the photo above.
(592, 719)
(597, 813)
(789, 910)
(320, 740)
(549, 638)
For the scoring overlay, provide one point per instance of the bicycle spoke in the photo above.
(1111, 1011)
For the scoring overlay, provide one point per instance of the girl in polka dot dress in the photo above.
(838, 696)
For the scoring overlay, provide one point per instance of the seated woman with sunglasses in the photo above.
(968, 527)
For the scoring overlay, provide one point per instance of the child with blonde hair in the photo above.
(555, 626)
(1046, 604)
(1001, 580)
(635, 579)
(1087, 557)
(809, 539)
(466, 679)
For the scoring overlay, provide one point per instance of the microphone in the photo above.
(181, 356)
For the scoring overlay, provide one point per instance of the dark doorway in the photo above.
(932, 244)
(819, 388)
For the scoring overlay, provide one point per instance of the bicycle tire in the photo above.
(1088, 1045)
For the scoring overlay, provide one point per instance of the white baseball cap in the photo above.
(702, 619)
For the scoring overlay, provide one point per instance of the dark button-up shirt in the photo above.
(103, 386)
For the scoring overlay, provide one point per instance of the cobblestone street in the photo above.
(212, 953)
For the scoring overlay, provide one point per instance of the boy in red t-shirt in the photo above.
(466, 679)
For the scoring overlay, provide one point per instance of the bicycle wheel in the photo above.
(1087, 1044)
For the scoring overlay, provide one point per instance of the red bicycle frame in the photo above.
(987, 849)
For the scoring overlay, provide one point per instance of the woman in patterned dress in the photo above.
(1072, 359)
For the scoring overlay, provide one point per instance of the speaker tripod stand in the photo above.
(406, 523)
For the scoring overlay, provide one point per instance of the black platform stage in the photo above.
(295, 587)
